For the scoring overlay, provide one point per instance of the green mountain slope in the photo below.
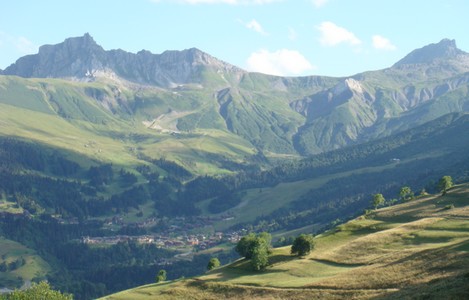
(87, 118)
(19, 264)
(415, 249)
(190, 91)
(336, 184)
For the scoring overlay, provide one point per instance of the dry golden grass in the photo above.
(418, 249)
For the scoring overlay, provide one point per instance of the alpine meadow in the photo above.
(180, 176)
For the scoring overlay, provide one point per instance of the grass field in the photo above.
(34, 266)
(9, 207)
(100, 142)
(418, 249)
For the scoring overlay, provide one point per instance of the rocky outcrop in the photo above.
(323, 102)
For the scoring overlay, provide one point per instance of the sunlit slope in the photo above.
(20, 264)
(408, 158)
(415, 249)
(117, 124)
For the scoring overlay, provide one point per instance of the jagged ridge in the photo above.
(83, 58)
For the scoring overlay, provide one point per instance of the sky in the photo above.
(279, 37)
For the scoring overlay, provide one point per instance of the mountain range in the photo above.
(99, 146)
(190, 91)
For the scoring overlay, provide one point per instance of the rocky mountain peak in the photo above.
(73, 45)
(82, 58)
(74, 57)
(445, 49)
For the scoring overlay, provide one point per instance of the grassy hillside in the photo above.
(415, 249)
(120, 125)
(20, 263)
(317, 186)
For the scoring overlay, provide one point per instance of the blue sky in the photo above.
(282, 37)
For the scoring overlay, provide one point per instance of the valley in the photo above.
(141, 162)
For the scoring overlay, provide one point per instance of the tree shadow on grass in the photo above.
(281, 258)
(336, 264)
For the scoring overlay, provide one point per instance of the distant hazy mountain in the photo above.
(427, 83)
(189, 90)
(83, 58)
(446, 49)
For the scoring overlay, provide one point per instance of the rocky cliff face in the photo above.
(81, 58)
(75, 57)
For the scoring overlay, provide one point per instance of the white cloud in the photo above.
(332, 35)
(231, 2)
(319, 3)
(24, 45)
(254, 25)
(282, 62)
(19, 44)
(382, 43)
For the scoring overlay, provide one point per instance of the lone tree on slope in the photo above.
(161, 276)
(260, 255)
(378, 200)
(256, 248)
(406, 193)
(302, 245)
(213, 263)
(445, 183)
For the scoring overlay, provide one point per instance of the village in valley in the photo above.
(184, 235)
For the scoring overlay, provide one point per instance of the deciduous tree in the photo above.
(245, 245)
(256, 248)
(260, 255)
(213, 263)
(302, 245)
(378, 199)
(406, 193)
(161, 276)
(445, 183)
